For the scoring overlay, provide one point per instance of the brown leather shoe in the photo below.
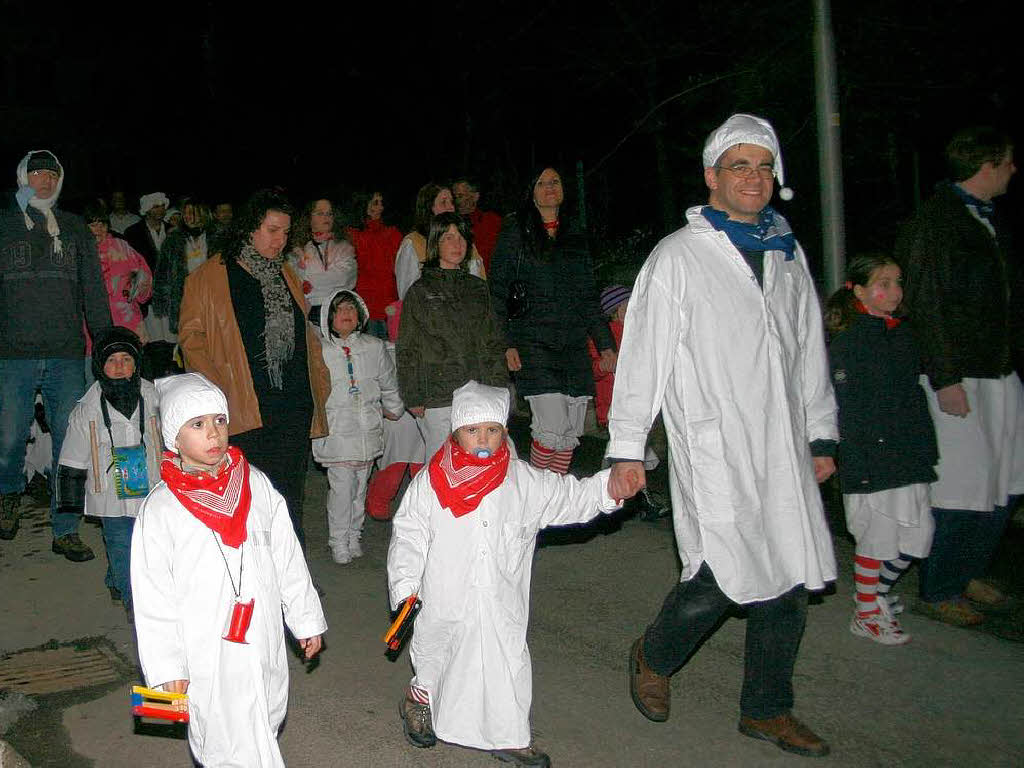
(787, 733)
(650, 691)
(985, 593)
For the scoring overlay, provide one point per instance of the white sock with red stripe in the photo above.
(865, 581)
(540, 455)
(418, 694)
(560, 461)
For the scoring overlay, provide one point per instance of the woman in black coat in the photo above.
(546, 302)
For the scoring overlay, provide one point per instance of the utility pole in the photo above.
(830, 165)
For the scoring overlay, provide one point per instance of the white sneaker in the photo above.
(342, 556)
(880, 627)
(354, 547)
(896, 606)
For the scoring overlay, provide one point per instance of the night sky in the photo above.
(203, 98)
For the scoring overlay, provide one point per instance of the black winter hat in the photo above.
(42, 160)
(117, 339)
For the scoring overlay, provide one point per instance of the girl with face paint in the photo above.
(887, 449)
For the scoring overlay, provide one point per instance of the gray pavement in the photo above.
(951, 697)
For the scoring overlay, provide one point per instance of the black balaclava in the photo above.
(123, 394)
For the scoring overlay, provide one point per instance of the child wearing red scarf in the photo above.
(887, 448)
(214, 561)
(463, 541)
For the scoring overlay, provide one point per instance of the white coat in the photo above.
(76, 451)
(473, 575)
(741, 376)
(355, 420)
(339, 274)
(238, 694)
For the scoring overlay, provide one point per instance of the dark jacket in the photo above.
(959, 286)
(886, 436)
(139, 238)
(169, 276)
(44, 295)
(447, 336)
(564, 309)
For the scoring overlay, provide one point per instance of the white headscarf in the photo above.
(150, 201)
(185, 397)
(26, 197)
(475, 403)
(746, 129)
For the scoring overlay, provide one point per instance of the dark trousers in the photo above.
(283, 456)
(774, 628)
(962, 549)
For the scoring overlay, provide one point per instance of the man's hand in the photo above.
(953, 400)
(608, 360)
(512, 359)
(626, 480)
(311, 646)
(176, 686)
(824, 468)
(418, 411)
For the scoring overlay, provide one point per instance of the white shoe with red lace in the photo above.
(881, 627)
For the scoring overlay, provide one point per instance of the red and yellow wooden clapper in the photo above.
(149, 702)
(402, 625)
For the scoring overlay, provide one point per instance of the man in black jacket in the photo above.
(50, 282)
(961, 290)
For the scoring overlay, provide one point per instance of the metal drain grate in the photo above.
(65, 668)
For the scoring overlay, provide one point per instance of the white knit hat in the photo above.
(475, 403)
(746, 129)
(150, 201)
(185, 397)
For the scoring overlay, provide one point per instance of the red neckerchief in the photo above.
(890, 321)
(321, 237)
(220, 502)
(551, 226)
(461, 480)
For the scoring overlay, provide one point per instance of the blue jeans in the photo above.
(117, 535)
(693, 609)
(962, 549)
(61, 382)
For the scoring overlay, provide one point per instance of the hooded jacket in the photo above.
(355, 419)
(45, 294)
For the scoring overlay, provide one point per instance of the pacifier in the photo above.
(483, 453)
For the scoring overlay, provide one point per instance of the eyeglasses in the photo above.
(550, 183)
(745, 171)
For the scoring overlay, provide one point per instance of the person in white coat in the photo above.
(724, 336)
(215, 561)
(463, 541)
(364, 392)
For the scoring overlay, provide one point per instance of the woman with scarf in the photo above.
(243, 325)
(323, 257)
(376, 244)
(111, 452)
(545, 298)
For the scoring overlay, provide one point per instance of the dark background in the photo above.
(216, 99)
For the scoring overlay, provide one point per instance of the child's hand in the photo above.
(389, 415)
(824, 468)
(311, 646)
(512, 359)
(608, 360)
(176, 686)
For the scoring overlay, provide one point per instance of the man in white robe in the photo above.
(724, 336)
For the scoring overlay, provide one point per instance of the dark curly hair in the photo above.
(438, 226)
(358, 204)
(302, 231)
(251, 218)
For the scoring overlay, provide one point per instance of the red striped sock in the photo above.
(540, 455)
(560, 461)
(419, 695)
(865, 580)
